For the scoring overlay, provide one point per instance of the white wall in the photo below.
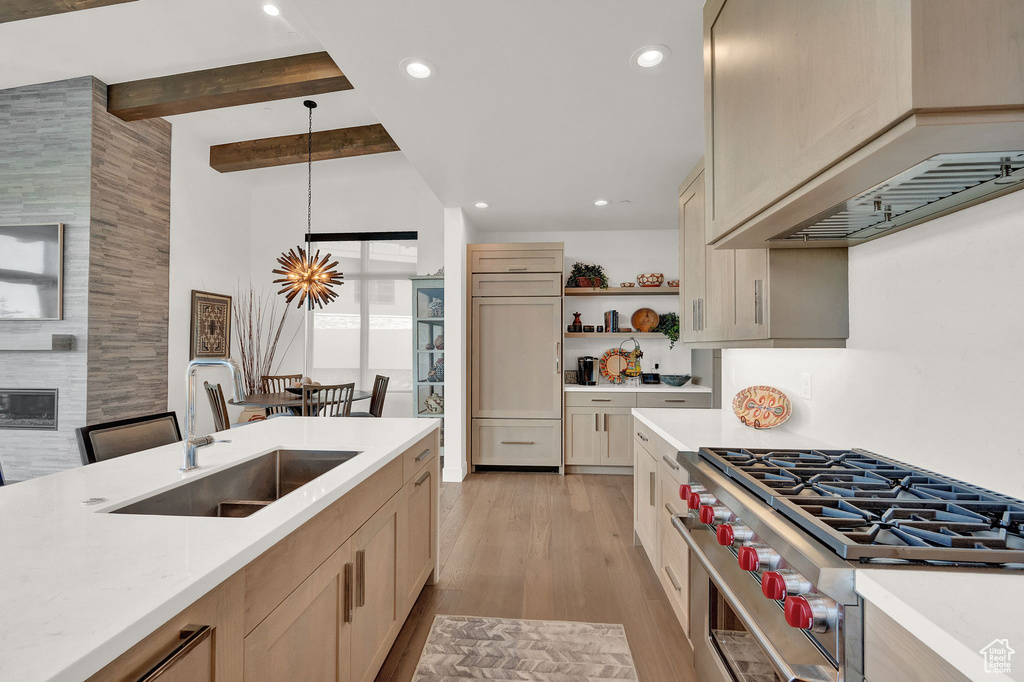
(933, 371)
(624, 254)
(458, 232)
(209, 252)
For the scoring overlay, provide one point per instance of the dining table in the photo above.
(285, 399)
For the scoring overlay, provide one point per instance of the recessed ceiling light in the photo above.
(418, 68)
(272, 10)
(601, 202)
(481, 204)
(650, 56)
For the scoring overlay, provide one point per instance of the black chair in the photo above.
(100, 442)
(380, 391)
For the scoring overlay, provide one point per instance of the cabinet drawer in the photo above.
(517, 442)
(669, 502)
(416, 457)
(517, 260)
(518, 284)
(674, 573)
(599, 400)
(677, 399)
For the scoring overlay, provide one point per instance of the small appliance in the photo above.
(587, 366)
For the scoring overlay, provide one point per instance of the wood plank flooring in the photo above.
(547, 547)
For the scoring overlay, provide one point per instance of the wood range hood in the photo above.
(912, 110)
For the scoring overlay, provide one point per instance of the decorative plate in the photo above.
(644, 320)
(762, 407)
(614, 364)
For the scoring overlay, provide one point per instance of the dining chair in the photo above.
(276, 383)
(380, 391)
(99, 442)
(221, 420)
(327, 401)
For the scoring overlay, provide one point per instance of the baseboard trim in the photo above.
(595, 469)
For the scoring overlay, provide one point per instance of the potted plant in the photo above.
(668, 324)
(587, 275)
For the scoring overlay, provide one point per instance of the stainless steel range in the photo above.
(777, 536)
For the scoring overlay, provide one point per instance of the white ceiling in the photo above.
(534, 108)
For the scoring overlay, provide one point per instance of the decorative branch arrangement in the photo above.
(258, 330)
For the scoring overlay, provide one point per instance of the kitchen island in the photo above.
(84, 586)
(941, 620)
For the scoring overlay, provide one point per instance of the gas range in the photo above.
(776, 536)
(872, 509)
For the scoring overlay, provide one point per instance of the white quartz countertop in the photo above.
(80, 586)
(642, 388)
(954, 612)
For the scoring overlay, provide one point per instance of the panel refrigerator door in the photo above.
(516, 353)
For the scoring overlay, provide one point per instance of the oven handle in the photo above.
(782, 667)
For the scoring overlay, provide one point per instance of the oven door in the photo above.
(737, 634)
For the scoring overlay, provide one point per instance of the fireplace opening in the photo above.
(28, 408)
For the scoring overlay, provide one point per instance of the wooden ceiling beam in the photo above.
(15, 10)
(281, 151)
(226, 86)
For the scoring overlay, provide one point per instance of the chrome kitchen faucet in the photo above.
(191, 442)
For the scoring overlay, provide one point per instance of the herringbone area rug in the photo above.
(469, 648)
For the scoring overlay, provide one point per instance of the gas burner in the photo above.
(870, 508)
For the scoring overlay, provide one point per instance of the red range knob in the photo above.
(811, 612)
(693, 501)
(798, 613)
(725, 535)
(748, 558)
(773, 585)
(684, 493)
(712, 514)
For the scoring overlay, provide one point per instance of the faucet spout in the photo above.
(192, 443)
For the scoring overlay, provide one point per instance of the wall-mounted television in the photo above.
(31, 272)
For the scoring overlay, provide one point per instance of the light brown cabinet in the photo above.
(756, 297)
(645, 495)
(891, 84)
(892, 654)
(324, 603)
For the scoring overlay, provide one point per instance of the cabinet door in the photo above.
(674, 572)
(617, 425)
(719, 310)
(375, 618)
(692, 246)
(583, 436)
(751, 291)
(417, 551)
(517, 372)
(307, 637)
(645, 471)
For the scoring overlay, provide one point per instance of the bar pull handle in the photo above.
(361, 577)
(597, 421)
(420, 457)
(424, 477)
(670, 510)
(675, 400)
(600, 400)
(558, 357)
(605, 421)
(641, 436)
(693, 316)
(653, 485)
(671, 462)
(517, 269)
(518, 442)
(348, 593)
(700, 313)
(192, 636)
(672, 579)
(758, 301)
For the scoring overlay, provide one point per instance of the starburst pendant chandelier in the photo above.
(305, 276)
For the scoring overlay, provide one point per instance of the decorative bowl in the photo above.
(627, 285)
(650, 279)
(675, 379)
(294, 390)
(674, 283)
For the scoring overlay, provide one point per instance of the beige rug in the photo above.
(469, 648)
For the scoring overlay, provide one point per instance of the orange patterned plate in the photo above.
(762, 407)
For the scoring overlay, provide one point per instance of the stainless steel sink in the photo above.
(242, 489)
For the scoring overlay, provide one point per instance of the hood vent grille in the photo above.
(937, 184)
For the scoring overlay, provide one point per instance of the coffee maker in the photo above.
(587, 371)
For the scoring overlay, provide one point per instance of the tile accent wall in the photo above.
(45, 160)
(64, 159)
(129, 259)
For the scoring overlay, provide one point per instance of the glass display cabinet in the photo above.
(428, 345)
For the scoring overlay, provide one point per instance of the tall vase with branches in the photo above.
(258, 330)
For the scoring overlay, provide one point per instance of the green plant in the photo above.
(587, 270)
(668, 324)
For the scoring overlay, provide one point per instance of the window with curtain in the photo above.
(367, 330)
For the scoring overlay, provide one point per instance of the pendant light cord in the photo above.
(309, 175)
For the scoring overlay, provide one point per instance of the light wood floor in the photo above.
(547, 547)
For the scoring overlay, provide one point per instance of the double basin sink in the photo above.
(244, 488)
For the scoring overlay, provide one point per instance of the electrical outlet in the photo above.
(732, 376)
(805, 385)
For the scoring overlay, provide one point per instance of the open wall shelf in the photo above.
(624, 291)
